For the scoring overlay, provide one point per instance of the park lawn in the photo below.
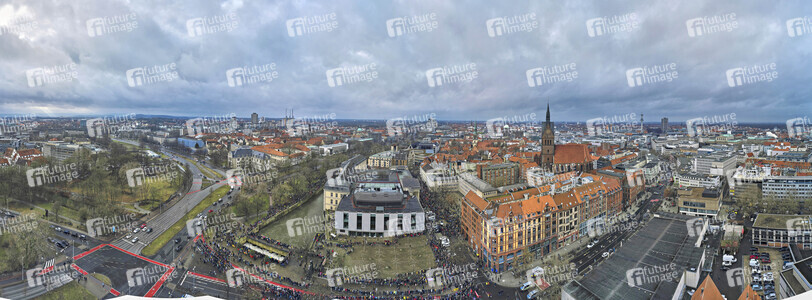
(123, 192)
(71, 290)
(102, 278)
(412, 254)
(167, 235)
(65, 211)
(128, 146)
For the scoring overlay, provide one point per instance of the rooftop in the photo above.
(771, 221)
(664, 240)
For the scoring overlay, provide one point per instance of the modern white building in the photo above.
(333, 149)
(714, 164)
(379, 209)
(696, 180)
(786, 187)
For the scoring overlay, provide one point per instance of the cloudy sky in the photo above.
(37, 34)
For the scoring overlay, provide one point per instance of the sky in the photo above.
(58, 59)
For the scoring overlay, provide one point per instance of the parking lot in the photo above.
(762, 276)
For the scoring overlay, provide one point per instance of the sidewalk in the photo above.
(94, 286)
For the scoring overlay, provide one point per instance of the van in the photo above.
(532, 294)
(526, 286)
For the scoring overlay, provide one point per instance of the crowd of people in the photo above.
(217, 256)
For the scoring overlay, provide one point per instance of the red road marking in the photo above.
(205, 277)
(79, 269)
(160, 282)
(114, 292)
(271, 282)
(88, 252)
(139, 256)
(46, 270)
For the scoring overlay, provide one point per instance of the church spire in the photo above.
(548, 112)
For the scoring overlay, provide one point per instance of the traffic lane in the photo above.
(121, 267)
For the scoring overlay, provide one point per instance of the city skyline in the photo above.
(385, 61)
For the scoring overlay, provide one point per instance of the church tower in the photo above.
(547, 144)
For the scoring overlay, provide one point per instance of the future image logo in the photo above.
(751, 74)
(235, 277)
(35, 277)
(711, 24)
(551, 74)
(735, 277)
(512, 24)
(311, 24)
(595, 227)
(651, 74)
(453, 74)
(651, 274)
(309, 225)
(696, 226)
(234, 177)
(111, 24)
(799, 26)
(246, 75)
(335, 277)
(798, 227)
(435, 277)
(798, 127)
(411, 24)
(596, 27)
(51, 74)
(211, 24)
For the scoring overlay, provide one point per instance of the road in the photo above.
(618, 232)
(162, 222)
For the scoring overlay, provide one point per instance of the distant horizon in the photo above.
(165, 116)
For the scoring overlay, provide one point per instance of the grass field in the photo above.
(102, 278)
(412, 254)
(71, 290)
(128, 146)
(167, 235)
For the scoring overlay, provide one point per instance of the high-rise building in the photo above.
(664, 125)
(254, 118)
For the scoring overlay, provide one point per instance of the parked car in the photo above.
(177, 240)
(128, 236)
(766, 260)
(136, 230)
(179, 247)
(135, 239)
(756, 287)
(143, 225)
